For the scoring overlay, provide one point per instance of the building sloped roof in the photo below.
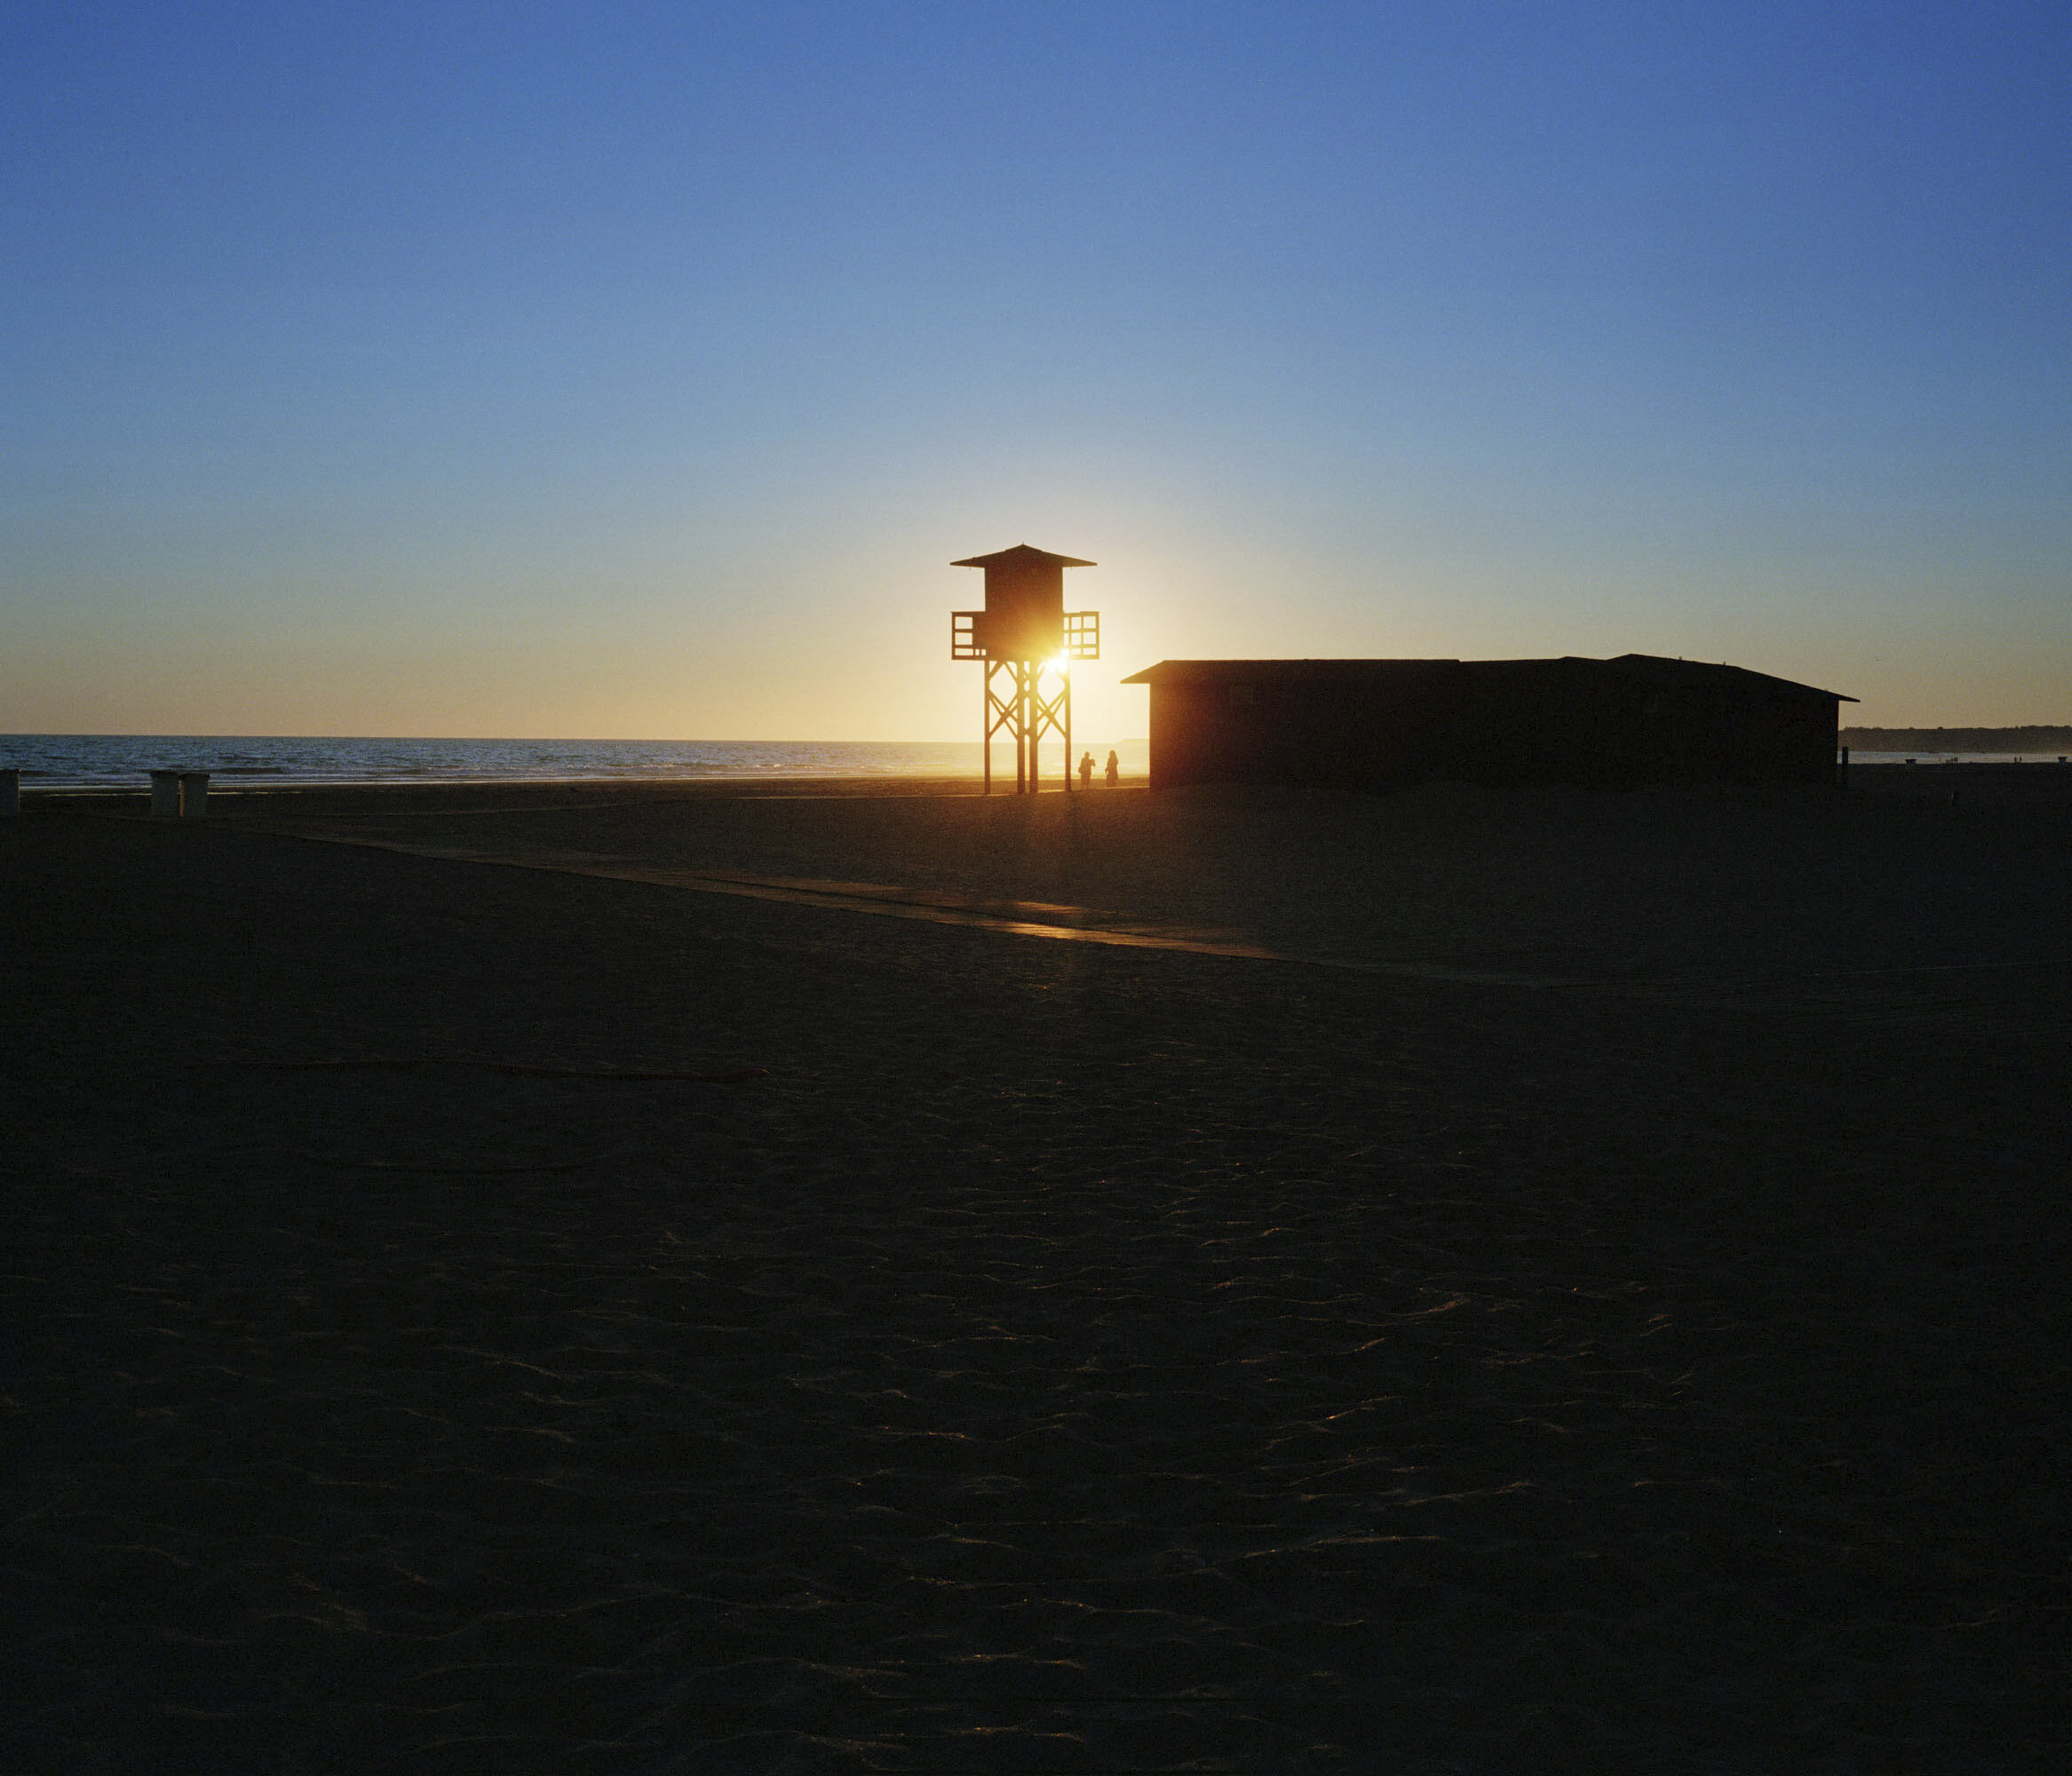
(1673, 671)
(1646, 666)
(1184, 671)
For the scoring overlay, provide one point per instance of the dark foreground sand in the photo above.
(1600, 1306)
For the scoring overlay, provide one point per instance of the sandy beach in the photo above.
(871, 1277)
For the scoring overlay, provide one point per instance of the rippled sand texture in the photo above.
(1007, 1354)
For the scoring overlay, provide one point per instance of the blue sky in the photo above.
(638, 370)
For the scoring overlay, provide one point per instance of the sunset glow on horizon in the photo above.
(638, 371)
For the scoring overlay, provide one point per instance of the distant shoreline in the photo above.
(1956, 739)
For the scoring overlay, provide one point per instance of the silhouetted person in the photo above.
(1115, 771)
(1086, 771)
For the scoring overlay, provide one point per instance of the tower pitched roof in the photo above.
(1019, 554)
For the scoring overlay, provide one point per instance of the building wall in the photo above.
(1519, 722)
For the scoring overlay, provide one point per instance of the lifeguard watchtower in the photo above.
(1028, 641)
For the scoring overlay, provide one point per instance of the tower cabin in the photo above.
(1024, 617)
(1383, 724)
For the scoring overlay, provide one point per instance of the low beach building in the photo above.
(1383, 723)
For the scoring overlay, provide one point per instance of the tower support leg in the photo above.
(1068, 766)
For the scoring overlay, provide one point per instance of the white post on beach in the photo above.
(10, 792)
(194, 794)
(166, 795)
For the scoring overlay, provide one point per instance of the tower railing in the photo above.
(1082, 639)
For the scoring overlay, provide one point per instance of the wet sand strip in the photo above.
(1029, 919)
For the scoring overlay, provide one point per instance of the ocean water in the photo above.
(122, 760)
(83, 761)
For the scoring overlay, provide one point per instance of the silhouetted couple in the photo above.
(1115, 771)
